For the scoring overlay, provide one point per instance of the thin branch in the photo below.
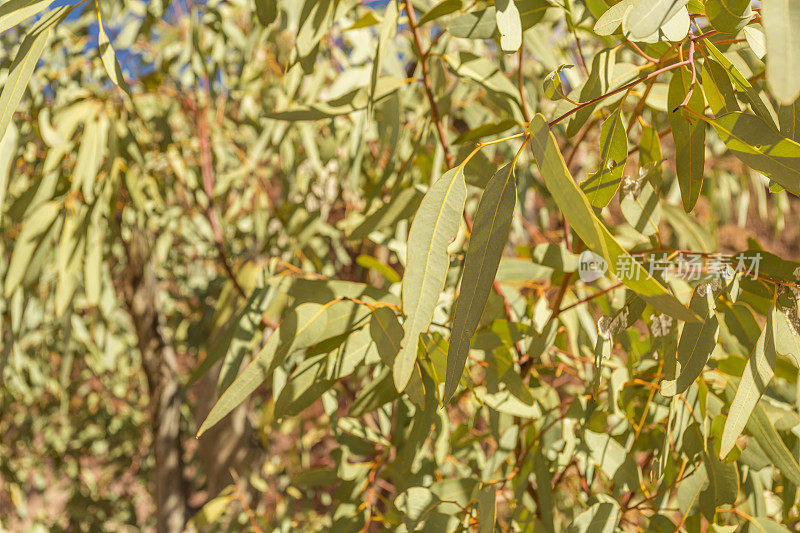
(426, 82)
(207, 170)
(617, 91)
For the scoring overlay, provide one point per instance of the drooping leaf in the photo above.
(304, 326)
(109, 57)
(758, 372)
(12, 12)
(435, 226)
(689, 134)
(781, 18)
(718, 89)
(509, 25)
(24, 63)
(579, 213)
(768, 438)
(30, 239)
(387, 333)
(487, 509)
(489, 235)
(696, 343)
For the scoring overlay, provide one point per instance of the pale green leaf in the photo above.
(509, 25)
(647, 16)
(599, 518)
(34, 231)
(609, 22)
(109, 57)
(781, 18)
(696, 343)
(24, 63)
(761, 147)
(435, 226)
(601, 186)
(300, 329)
(728, 16)
(758, 372)
(641, 207)
(13, 12)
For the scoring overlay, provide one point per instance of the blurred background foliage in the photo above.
(183, 183)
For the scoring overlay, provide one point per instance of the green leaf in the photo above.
(718, 89)
(640, 207)
(484, 72)
(304, 326)
(415, 504)
(482, 24)
(509, 25)
(697, 341)
(648, 16)
(673, 30)
(781, 18)
(109, 57)
(24, 64)
(30, 239)
(610, 22)
(489, 236)
(789, 117)
(487, 509)
(767, 437)
(477, 25)
(728, 16)
(761, 147)
(650, 156)
(13, 12)
(758, 372)
(400, 207)
(601, 186)
(266, 11)
(599, 82)
(614, 460)
(387, 333)
(753, 97)
(552, 85)
(8, 152)
(435, 226)
(573, 203)
(689, 135)
(445, 7)
(71, 247)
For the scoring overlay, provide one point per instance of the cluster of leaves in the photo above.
(372, 217)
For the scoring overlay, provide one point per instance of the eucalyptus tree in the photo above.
(407, 265)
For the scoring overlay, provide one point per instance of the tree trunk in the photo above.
(158, 361)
